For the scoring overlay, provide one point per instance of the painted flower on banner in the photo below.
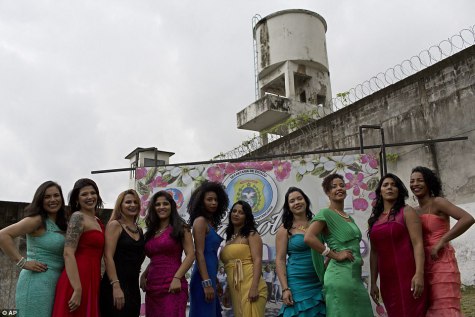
(372, 197)
(282, 170)
(370, 163)
(216, 173)
(338, 164)
(143, 205)
(140, 173)
(360, 204)
(303, 166)
(186, 175)
(158, 182)
(355, 181)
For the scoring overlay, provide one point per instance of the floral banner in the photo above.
(263, 185)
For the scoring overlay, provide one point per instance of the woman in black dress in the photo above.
(123, 255)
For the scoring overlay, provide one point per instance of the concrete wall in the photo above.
(438, 102)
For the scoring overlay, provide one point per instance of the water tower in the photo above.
(292, 74)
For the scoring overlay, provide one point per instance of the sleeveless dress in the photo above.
(396, 265)
(343, 288)
(442, 275)
(128, 257)
(165, 258)
(303, 281)
(199, 307)
(238, 264)
(35, 290)
(88, 257)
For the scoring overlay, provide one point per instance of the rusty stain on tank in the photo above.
(264, 40)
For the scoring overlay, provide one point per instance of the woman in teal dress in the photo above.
(44, 226)
(301, 287)
(345, 294)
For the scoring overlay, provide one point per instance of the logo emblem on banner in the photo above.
(177, 196)
(256, 188)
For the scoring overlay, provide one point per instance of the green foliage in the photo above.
(392, 157)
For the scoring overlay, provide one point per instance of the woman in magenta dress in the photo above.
(441, 270)
(207, 207)
(77, 291)
(397, 253)
(166, 238)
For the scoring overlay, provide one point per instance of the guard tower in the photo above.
(292, 73)
(146, 157)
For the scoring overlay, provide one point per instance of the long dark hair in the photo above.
(249, 222)
(36, 206)
(196, 206)
(379, 203)
(431, 179)
(74, 196)
(152, 221)
(288, 216)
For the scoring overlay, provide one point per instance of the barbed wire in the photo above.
(434, 54)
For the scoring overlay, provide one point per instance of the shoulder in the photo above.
(281, 232)
(322, 215)
(408, 209)
(76, 217)
(114, 225)
(439, 201)
(200, 221)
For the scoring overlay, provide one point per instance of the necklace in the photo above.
(135, 231)
(234, 236)
(301, 227)
(341, 213)
(159, 232)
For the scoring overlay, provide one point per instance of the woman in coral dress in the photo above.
(166, 238)
(242, 258)
(397, 253)
(301, 287)
(77, 292)
(441, 270)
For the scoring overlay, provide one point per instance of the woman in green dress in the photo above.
(44, 226)
(335, 235)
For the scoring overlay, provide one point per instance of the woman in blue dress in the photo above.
(301, 288)
(207, 207)
(44, 226)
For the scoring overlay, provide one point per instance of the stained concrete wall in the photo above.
(438, 102)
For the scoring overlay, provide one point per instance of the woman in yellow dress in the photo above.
(242, 258)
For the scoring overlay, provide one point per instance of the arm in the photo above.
(200, 227)
(28, 225)
(187, 244)
(374, 272)
(281, 240)
(113, 231)
(464, 221)
(413, 225)
(313, 231)
(255, 244)
(73, 234)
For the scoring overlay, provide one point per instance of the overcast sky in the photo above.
(84, 83)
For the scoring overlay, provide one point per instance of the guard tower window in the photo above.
(303, 96)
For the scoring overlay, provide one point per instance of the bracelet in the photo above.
(114, 281)
(177, 278)
(21, 263)
(326, 251)
(206, 283)
(286, 289)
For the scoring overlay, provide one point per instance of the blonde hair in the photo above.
(116, 212)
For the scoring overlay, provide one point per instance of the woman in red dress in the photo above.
(77, 291)
(397, 253)
(441, 270)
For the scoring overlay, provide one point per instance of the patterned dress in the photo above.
(35, 290)
(165, 259)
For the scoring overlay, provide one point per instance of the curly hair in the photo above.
(36, 206)
(74, 195)
(327, 181)
(379, 202)
(152, 221)
(196, 206)
(431, 179)
(249, 222)
(287, 215)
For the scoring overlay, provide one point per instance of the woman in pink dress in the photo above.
(441, 271)
(397, 253)
(166, 238)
